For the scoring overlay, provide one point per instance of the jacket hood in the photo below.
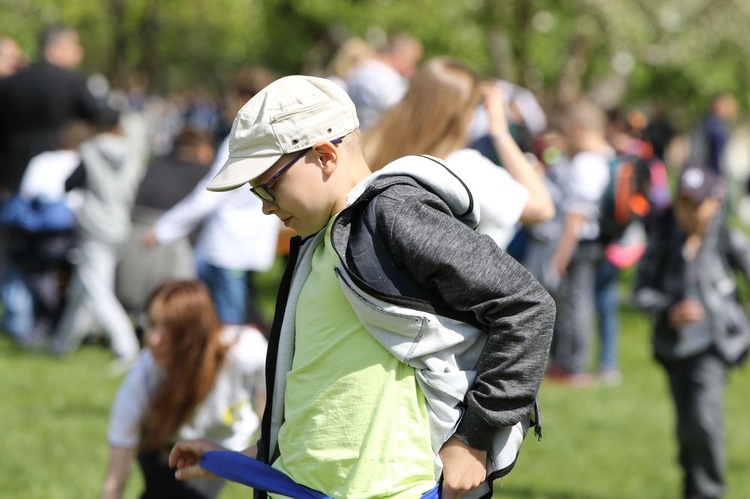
(113, 148)
(432, 174)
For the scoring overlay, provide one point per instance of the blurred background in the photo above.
(630, 52)
(656, 58)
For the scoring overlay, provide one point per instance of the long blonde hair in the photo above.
(432, 118)
(196, 356)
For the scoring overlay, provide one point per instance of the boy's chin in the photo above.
(305, 230)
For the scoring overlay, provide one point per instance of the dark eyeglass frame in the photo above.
(264, 191)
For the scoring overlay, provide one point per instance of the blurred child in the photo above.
(113, 162)
(41, 249)
(580, 251)
(168, 180)
(195, 378)
(686, 280)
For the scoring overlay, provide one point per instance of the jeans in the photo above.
(229, 289)
(607, 306)
(698, 385)
(575, 308)
(18, 308)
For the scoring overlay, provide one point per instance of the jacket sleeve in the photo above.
(737, 250)
(648, 295)
(472, 274)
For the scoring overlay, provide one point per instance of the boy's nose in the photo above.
(269, 208)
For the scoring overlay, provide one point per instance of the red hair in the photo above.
(196, 355)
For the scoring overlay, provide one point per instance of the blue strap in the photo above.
(240, 468)
(433, 493)
(243, 469)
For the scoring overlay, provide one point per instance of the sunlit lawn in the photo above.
(598, 442)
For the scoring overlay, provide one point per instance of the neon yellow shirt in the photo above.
(356, 424)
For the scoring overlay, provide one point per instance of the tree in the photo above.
(628, 51)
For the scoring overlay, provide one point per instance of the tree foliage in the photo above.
(631, 51)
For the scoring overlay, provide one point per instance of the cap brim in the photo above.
(239, 171)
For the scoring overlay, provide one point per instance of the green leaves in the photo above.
(545, 44)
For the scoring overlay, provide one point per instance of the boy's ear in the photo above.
(328, 154)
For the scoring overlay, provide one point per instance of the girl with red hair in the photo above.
(195, 378)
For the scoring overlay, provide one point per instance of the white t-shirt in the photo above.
(583, 188)
(225, 416)
(501, 198)
(46, 174)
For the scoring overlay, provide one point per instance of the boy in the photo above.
(686, 279)
(112, 165)
(403, 340)
(580, 251)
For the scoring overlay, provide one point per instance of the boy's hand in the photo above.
(464, 468)
(149, 240)
(186, 455)
(687, 311)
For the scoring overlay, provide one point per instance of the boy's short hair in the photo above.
(585, 115)
(289, 115)
(699, 183)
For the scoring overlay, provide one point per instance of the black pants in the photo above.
(698, 385)
(161, 483)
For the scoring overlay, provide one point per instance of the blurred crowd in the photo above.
(103, 201)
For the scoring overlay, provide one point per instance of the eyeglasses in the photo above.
(264, 191)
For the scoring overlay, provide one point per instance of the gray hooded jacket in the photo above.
(661, 282)
(115, 165)
(442, 298)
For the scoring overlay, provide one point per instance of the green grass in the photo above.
(617, 442)
(598, 442)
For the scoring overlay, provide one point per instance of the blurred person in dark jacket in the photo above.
(687, 281)
(167, 181)
(711, 134)
(39, 100)
(36, 103)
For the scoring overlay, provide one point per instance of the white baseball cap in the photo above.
(289, 115)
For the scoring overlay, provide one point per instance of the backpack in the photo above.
(36, 215)
(627, 196)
